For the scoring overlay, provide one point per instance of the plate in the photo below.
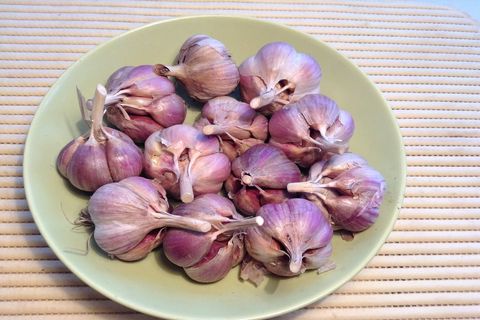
(153, 286)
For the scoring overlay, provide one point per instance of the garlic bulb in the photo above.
(103, 156)
(260, 176)
(278, 75)
(237, 125)
(295, 237)
(139, 102)
(186, 162)
(125, 213)
(348, 187)
(207, 257)
(205, 67)
(311, 128)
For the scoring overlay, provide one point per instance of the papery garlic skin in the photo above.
(186, 162)
(295, 237)
(104, 156)
(278, 75)
(205, 67)
(311, 128)
(350, 190)
(139, 97)
(124, 213)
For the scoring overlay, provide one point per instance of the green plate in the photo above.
(153, 286)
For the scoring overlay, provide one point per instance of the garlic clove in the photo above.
(259, 127)
(209, 172)
(168, 110)
(247, 201)
(151, 241)
(116, 79)
(66, 154)
(288, 125)
(216, 264)
(303, 155)
(186, 248)
(124, 158)
(151, 87)
(319, 111)
(88, 167)
(137, 127)
(265, 166)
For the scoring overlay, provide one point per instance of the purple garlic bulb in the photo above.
(294, 237)
(311, 128)
(139, 102)
(278, 75)
(205, 67)
(207, 257)
(260, 176)
(127, 216)
(186, 162)
(236, 124)
(348, 188)
(102, 156)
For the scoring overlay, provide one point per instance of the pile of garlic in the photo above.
(262, 182)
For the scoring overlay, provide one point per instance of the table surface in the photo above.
(424, 58)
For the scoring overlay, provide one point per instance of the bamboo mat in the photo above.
(424, 58)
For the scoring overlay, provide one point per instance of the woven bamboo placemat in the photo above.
(424, 58)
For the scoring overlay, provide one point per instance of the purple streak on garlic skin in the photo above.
(351, 190)
(205, 67)
(311, 128)
(181, 157)
(265, 166)
(123, 214)
(277, 75)
(106, 155)
(295, 237)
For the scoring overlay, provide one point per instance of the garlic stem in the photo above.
(186, 188)
(265, 98)
(307, 187)
(295, 262)
(177, 71)
(239, 224)
(247, 179)
(171, 220)
(97, 112)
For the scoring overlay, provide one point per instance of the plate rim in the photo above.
(158, 312)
